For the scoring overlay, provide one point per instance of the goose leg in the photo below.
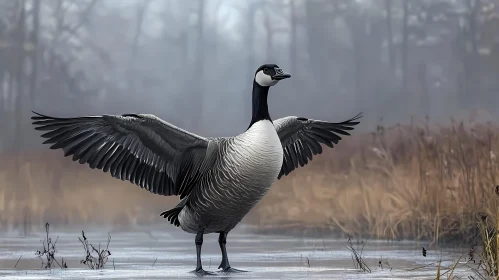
(199, 268)
(225, 266)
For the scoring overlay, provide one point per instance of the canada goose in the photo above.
(219, 180)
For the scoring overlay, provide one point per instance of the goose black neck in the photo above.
(260, 109)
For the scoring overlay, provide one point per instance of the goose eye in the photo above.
(265, 69)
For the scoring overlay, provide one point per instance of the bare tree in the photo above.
(405, 46)
(20, 35)
(198, 67)
(389, 36)
(34, 53)
(134, 49)
(251, 11)
(472, 64)
(272, 12)
(293, 41)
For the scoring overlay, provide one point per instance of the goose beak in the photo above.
(280, 75)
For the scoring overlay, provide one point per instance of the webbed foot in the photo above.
(201, 272)
(232, 270)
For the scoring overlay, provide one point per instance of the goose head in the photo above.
(269, 75)
(266, 76)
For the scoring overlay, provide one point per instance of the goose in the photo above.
(218, 180)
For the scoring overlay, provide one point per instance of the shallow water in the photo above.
(168, 253)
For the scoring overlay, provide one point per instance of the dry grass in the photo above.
(397, 182)
(488, 255)
(51, 188)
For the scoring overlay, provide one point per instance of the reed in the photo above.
(488, 253)
(401, 182)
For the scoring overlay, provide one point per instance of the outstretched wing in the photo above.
(142, 149)
(301, 138)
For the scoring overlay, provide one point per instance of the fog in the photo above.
(191, 63)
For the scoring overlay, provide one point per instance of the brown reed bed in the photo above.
(401, 182)
(50, 188)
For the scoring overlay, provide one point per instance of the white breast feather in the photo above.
(260, 149)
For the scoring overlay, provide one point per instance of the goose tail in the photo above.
(172, 214)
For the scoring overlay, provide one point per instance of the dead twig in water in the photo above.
(420, 267)
(358, 262)
(381, 262)
(91, 261)
(47, 255)
(449, 271)
(18, 261)
(477, 273)
(152, 263)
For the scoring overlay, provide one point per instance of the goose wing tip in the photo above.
(358, 116)
(354, 120)
(39, 117)
(36, 115)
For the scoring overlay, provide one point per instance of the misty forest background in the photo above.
(425, 74)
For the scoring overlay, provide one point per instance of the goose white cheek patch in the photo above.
(264, 80)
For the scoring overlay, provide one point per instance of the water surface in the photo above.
(168, 253)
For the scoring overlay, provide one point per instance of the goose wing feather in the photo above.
(139, 148)
(301, 138)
